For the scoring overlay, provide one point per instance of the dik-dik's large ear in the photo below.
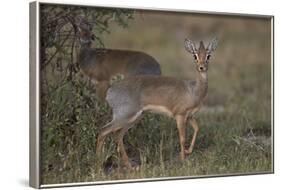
(190, 46)
(212, 45)
(77, 22)
(82, 24)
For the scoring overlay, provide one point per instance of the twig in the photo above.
(57, 50)
(235, 139)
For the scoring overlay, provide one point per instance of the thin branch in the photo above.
(237, 138)
(57, 50)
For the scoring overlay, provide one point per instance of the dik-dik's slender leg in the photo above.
(102, 87)
(121, 127)
(120, 147)
(181, 128)
(196, 129)
(120, 135)
(107, 129)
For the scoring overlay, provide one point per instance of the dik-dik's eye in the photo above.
(208, 57)
(195, 57)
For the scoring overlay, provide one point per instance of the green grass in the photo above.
(220, 149)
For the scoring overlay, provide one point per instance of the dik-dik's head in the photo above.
(201, 55)
(84, 31)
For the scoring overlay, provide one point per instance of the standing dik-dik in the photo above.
(177, 98)
(102, 64)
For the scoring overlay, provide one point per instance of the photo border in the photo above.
(34, 97)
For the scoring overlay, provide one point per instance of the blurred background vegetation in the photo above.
(235, 122)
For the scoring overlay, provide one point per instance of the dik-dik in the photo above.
(171, 96)
(102, 64)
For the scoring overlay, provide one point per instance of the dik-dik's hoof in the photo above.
(132, 166)
(187, 151)
(135, 168)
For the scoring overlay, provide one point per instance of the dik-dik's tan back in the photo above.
(103, 64)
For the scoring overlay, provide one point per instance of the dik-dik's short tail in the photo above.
(101, 89)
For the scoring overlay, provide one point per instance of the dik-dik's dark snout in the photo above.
(202, 67)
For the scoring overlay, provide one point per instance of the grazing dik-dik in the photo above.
(102, 64)
(177, 98)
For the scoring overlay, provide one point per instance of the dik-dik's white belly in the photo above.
(158, 109)
(152, 108)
